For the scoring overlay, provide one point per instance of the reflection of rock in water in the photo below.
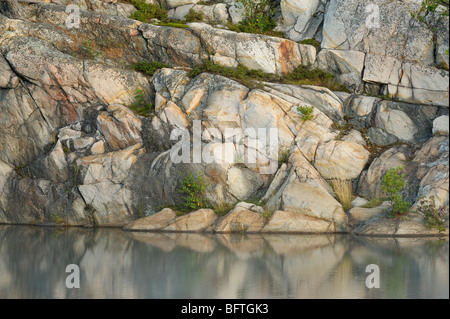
(156, 265)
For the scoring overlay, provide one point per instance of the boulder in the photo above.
(371, 180)
(341, 160)
(440, 125)
(432, 171)
(290, 222)
(154, 222)
(362, 214)
(359, 202)
(242, 182)
(194, 222)
(303, 190)
(240, 220)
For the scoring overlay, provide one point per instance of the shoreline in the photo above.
(418, 236)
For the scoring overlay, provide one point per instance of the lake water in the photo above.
(116, 264)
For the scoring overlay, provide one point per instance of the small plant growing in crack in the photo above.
(307, 112)
(393, 182)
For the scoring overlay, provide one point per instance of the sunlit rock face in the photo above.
(87, 140)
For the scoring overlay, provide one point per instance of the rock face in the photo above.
(73, 150)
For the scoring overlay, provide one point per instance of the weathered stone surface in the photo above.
(371, 180)
(319, 97)
(7, 77)
(154, 222)
(194, 222)
(178, 3)
(243, 182)
(240, 220)
(111, 166)
(440, 125)
(347, 27)
(216, 13)
(361, 214)
(55, 165)
(303, 190)
(408, 81)
(380, 226)
(290, 222)
(341, 160)
(301, 18)
(78, 153)
(433, 171)
(396, 123)
(361, 106)
(359, 202)
(355, 137)
(346, 65)
(411, 226)
(121, 129)
(380, 137)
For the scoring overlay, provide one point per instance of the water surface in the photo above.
(116, 264)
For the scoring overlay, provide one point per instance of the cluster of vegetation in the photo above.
(91, 49)
(393, 183)
(343, 189)
(284, 156)
(302, 75)
(433, 216)
(307, 112)
(374, 203)
(193, 187)
(149, 68)
(145, 12)
(266, 215)
(312, 42)
(430, 6)
(194, 16)
(173, 24)
(58, 220)
(258, 16)
(140, 107)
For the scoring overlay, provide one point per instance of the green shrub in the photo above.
(193, 189)
(58, 220)
(194, 16)
(307, 112)
(146, 12)
(312, 42)
(430, 6)
(373, 203)
(91, 49)
(284, 156)
(433, 216)
(140, 107)
(267, 215)
(173, 24)
(393, 182)
(302, 75)
(149, 68)
(258, 16)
